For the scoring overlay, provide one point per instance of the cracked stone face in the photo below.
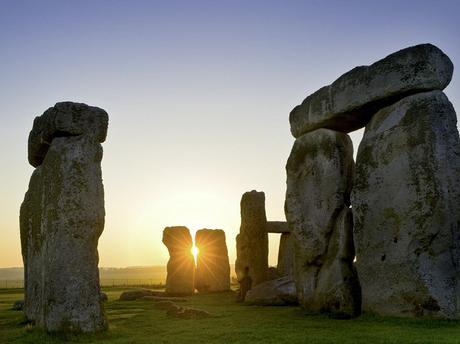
(319, 179)
(406, 207)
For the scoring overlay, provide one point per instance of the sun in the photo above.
(195, 251)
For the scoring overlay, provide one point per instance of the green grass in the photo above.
(139, 322)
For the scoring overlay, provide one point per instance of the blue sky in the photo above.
(198, 94)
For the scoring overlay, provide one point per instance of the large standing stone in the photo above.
(252, 241)
(213, 267)
(181, 265)
(406, 206)
(286, 255)
(350, 101)
(319, 181)
(61, 219)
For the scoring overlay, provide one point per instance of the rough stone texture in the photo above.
(277, 227)
(406, 205)
(286, 254)
(319, 180)
(277, 292)
(65, 119)
(132, 295)
(350, 101)
(252, 241)
(181, 265)
(213, 267)
(61, 219)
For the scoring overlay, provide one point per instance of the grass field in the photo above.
(140, 322)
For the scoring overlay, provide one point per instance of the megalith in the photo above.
(319, 181)
(350, 101)
(62, 217)
(406, 207)
(212, 267)
(181, 265)
(252, 241)
(286, 255)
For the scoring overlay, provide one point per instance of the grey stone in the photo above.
(181, 265)
(277, 292)
(65, 119)
(213, 267)
(61, 219)
(252, 241)
(319, 180)
(406, 207)
(277, 227)
(286, 254)
(104, 297)
(350, 101)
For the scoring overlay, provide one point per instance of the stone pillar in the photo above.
(181, 265)
(319, 180)
(252, 241)
(62, 217)
(286, 255)
(213, 267)
(406, 206)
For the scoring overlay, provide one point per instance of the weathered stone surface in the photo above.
(65, 119)
(319, 180)
(213, 267)
(277, 292)
(252, 241)
(286, 254)
(277, 227)
(62, 218)
(406, 206)
(181, 265)
(350, 101)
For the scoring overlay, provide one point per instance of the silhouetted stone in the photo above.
(252, 241)
(104, 297)
(406, 206)
(350, 101)
(61, 219)
(132, 295)
(277, 227)
(277, 292)
(213, 267)
(286, 254)
(181, 265)
(319, 181)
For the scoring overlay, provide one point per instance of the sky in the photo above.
(198, 94)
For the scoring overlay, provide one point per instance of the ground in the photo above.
(138, 322)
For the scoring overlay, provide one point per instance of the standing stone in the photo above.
(213, 267)
(252, 241)
(406, 206)
(181, 265)
(350, 101)
(61, 219)
(286, 254)
(319, 181)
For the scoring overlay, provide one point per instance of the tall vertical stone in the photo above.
(319, 180)
(252, 241)
(213, 267)
(62, 217)
(286, 255)
(406, 207)
(181, 265)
